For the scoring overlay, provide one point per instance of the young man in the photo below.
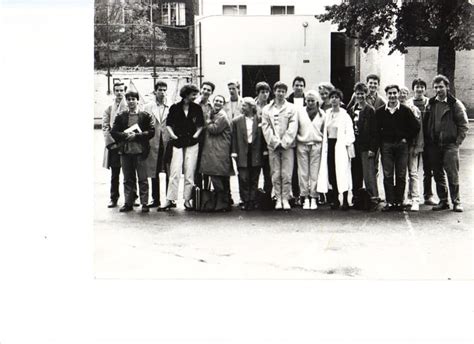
(280, 126)
(445, 127)
(111, 152)
(233, 107)
(159, 157)
(248, 145)
(396, 127)
(263, 94)
(421, 102)
(134, 150)
(373, 98)
(365, 145)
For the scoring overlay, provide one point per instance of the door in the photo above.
(252, 74)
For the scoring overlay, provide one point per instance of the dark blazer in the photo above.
(393, 128)
(145, 122)
(185, 126)
(367, 137)
(240, 144)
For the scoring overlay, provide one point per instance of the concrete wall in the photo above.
(422, 62)
(249, 40)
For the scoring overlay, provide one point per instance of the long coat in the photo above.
(108, 119)
(215, 159)
(159, 116)
(345, 140)
(240, 145)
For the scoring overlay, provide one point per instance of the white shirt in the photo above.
(298, 102)
(249, 124)
(392, 110)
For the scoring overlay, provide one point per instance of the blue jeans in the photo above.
(394, 163)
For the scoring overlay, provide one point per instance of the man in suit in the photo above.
(159, 157)
(233, 107)
(263, 94)
(247, 150)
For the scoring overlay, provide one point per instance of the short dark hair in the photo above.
(120, 84)
(337, 92)
(188, 89)
(361, 87)
(160, 83)
(372, 76)
(280, 84)
(418, 82)
(262, 85)
(441, 78)
(299, 78)
(133, 94)
(210, 84)
(392, 86)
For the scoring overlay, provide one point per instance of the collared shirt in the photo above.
(249, 124)
(392, 110)
(438, 99)
(298, 102)
(206, 108)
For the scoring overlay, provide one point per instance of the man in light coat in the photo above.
(280, 126)
(233, 106)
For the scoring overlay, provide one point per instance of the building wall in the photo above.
(239, 41)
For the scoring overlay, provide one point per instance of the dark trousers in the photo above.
(427, 176)
(155, 182)
(445, 161)
(295, 183)
(248, 179)
(394, 163)
(356, 169)
(114, 183)
(132, 166)
(267, 175)
(332, 166)
(201, 180)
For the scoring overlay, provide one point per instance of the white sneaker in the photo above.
(314, 204)
(415, 206)
(307, 203)
(286, 205)
(278, 205)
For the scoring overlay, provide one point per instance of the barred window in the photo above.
(282, 10)
(234, 10)
(173, 13)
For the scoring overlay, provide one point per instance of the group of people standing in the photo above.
(309, 146)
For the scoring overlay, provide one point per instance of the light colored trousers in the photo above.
(413, 172)
(189, 156)
(281, 166)
(309, 160)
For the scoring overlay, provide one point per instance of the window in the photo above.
(173, 13)
(279, 10)
(234, 10)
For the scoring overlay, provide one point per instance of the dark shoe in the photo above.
(458, 208)
(126, 208)
(252, 205)
(430, 201)
(168, 205)
(173, 204)
(145, 209)
(136, 204)
(153, 204)
(441, 206)
(112, 204)
(389, 207)
(243, 206)
(345, 206)
(335, 205)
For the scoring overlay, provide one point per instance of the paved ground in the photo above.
(323, 244)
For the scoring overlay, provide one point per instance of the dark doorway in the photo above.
(252, 74)
(342, 64)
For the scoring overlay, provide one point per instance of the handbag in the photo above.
(204, 199)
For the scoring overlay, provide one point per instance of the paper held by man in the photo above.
(133, 129)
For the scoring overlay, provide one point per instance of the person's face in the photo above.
(392, 95)
(206, 91)
(298, 87)
(191, 97)
(360, 96)
(311, 102)
(403, 96)
(119, 92)
(335, 100)
(373, 85)
(323, 93)
(263, 95)
(233, 91)
(441, 89)
(132, 103)
(419, 90)
(280, 94)
(160, 92)
(218, 103)
(246, 109)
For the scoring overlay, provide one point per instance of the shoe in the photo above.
(307, 204)
(145, 209)
(458, 208)
(430, 201)
(321, 200)
(373, 206)
(441, 206)
(173, 204)
(313, 204)
(389, 207)
(286, 205)
(187, 205)
(415, 206)
(251, 205)
(126, 208)
(154, 204)
(168, 205)
(136, 204)
(243, 206)
(335, 205)
(112, 204)
(345, 206)
(278, 205)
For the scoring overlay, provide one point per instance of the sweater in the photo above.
(395, 127)
(310, 131)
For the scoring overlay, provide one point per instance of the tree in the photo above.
(447, 24)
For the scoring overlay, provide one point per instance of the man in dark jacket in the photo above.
(445, 126)
(132, 130)
(396, 126)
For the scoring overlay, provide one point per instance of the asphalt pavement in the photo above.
(299, 244)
